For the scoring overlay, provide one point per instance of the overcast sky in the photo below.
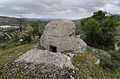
(67, 9)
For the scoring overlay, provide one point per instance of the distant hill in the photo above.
(41, 19)
(7, 20)
(4, 20)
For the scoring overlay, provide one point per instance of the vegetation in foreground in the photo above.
(86, 65)
(11, 54)
(21, 70)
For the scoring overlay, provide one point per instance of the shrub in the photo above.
(92, 32)
(30, 32)
(108, 64)
(115, 56)
(100, 30)
(16, 38)
(26, 38)
(35, 27)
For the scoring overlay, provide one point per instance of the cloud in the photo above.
(68, 9)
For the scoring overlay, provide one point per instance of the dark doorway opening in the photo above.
(53, 49)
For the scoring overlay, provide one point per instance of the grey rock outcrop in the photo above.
(59, 36)
(45, 56)
(21, 70)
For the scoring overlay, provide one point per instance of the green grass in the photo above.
(7, 45)
(11, 54)
(108, 63)
(86, 68)
(84, 63)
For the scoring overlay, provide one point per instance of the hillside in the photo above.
(4, 20)
(35, 61)
(93, 63)
(7, 20)
(62, 49)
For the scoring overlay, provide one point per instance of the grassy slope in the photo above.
(84, 63)
(86, 67)
(11, 54)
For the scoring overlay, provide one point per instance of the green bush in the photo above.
(92, 32)
(26, 38)
(35, 27)
(16, 38)
(31, 31)
(115, 56)
(100, 30)
(108, 64)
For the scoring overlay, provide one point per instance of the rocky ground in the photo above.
(22, 70)
(39, 64)
(44, 56)
(42, 64)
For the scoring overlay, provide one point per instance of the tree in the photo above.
(100, 30)
(35, 27)
(99, 15)
(92, 32)
(21, 21)
(109, 32)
